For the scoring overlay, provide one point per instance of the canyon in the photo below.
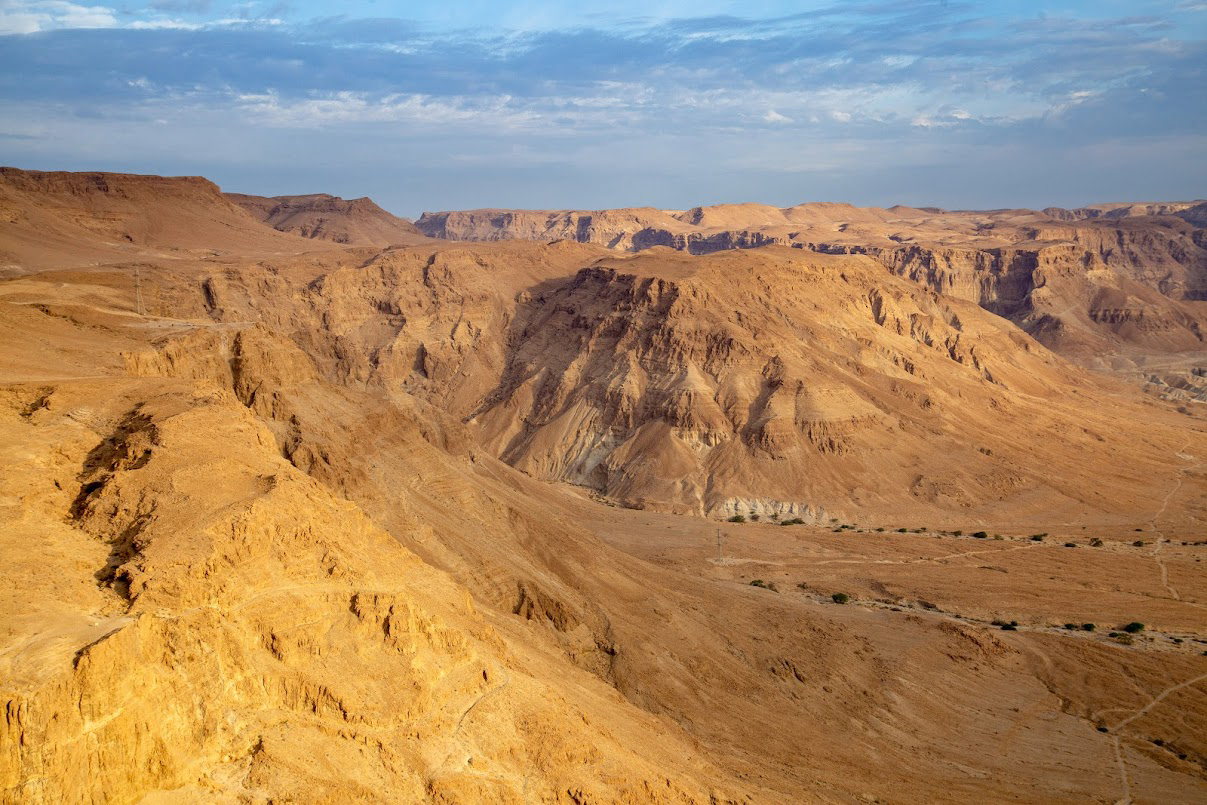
(557, 507)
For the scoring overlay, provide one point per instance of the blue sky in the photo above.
(427, 106)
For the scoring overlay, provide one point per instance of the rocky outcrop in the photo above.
(249, 630)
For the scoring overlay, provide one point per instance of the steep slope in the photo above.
(769, 381)
(188, 613)
(50, 219)
(357, 222)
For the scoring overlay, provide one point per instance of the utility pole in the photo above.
(138, 305)
(720, 539)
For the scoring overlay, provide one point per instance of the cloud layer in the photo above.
(957, 104)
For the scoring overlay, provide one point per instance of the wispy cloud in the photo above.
(847, 86)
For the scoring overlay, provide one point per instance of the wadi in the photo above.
(301, 501)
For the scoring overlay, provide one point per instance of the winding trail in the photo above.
(1123, 778)
(1161, 539)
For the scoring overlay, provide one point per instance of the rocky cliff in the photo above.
(1106, 285)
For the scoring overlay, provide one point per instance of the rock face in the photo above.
(1102, 285)
(357, 222)
(772, 380)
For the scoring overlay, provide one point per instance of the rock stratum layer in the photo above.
(1115, 285)
(289, 533)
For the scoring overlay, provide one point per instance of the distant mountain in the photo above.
(356, 222)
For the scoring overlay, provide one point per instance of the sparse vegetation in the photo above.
(766, 585)
(1095, 543)
(1070, 544)
(840, 598)
(793, 521)
(1134, 627)
(1071, 626)
(902, 530)
(1138, 543)
(980, 534)
(754, 518)
(737, 518)
(1088, 627)
(957, 533)
(1039, 537)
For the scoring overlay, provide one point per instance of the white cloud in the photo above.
(45, 15)
(773, 116)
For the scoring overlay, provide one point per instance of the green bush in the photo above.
(1071, 626)
(1134, 627)
(737, 518)
(1088, 627)
(840, 598)
(981, 534)
(902, 530)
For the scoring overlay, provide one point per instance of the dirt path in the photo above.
(1161, 539)
(1123, 778)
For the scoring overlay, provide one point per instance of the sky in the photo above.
(436, 105)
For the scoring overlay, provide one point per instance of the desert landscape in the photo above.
(677, 403)
(303, 502)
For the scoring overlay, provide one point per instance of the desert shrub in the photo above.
(998, 536)
(1009, 627)
(1095, 543)
(754, 518)
(737, 518)
(1088, 627)
(766, 585)
(1134, 627)
(1138, 543)
(980, 534)
(957, 533)
(793, 521)
(1071, 626)
(1070, 544)
(902, 530)
(840, 598)
(1037, 537)
(1124, 639)
(1103, 729)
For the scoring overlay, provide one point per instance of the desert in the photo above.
(534, 520)
(653, 404)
